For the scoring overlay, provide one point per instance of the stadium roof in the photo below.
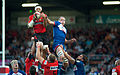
(80, 5)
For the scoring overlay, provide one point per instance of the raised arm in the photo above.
(38, 56)
(45, 19)
(50, 22)
(45, 22)
(33, 46)
(72, 60)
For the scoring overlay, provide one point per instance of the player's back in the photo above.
(29, 63)
(50, 68)
(116, 70)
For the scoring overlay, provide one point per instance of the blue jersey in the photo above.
(18, 73)
(61, 69)
(79, 68)
(59, 34)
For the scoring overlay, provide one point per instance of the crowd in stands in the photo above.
(90, 41)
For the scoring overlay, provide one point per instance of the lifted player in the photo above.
(37, 21)
(59, 38)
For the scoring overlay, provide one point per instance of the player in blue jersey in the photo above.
(79, 63)
(15, 70)
(59, 38)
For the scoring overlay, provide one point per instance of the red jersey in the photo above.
(116, 70)
(29, 63)
(38, 25)
(50, 68)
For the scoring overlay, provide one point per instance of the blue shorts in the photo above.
(57, 45)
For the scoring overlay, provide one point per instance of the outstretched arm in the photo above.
(70, 41)
(50, 22)
(45, 19)
(72, 60)
(38, 56)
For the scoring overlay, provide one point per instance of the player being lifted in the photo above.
(38, 23)
(59, 38)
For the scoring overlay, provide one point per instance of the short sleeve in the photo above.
(30, 18)
(56, 23)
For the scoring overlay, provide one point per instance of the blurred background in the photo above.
(93, 24)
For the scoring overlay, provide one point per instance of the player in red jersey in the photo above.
(30, 60)
(116, 70)
(38, 22)
(50, 65)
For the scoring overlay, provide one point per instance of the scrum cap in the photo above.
(38, 7)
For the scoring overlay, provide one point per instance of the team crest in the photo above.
(45, 63)
(113, 70)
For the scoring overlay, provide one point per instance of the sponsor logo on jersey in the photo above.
(54, 68)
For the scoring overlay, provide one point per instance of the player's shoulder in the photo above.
(57, 23)
(21, 71)
(77, 62)
(31, 16)
(45, 14)
(56, 62)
